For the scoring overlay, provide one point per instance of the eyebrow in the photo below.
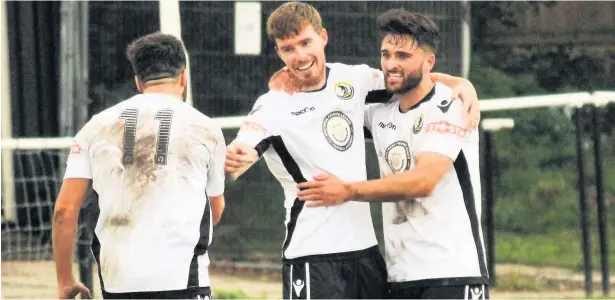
(300, 41)
(398, 51)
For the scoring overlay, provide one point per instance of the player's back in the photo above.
(149, 163)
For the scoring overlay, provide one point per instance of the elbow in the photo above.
(428, 190)
(421, 192)
(62, 213)
(422, 189)
(217, 214)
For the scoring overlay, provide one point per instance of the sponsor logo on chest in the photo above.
(302, 111)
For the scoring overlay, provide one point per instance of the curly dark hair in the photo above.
(421, 29)
(156, 56)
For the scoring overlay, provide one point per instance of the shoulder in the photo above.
(198, 118)
(375, 110)
(378, 107)
(266, 102)
(361, 69)
(112, 114)
(113, 111)
(443, 91)
(442, 102)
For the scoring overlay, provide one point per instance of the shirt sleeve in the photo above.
(78, 162)
(372, 79)
(257, 127)
(367, 116)
(445, 132)
(215, 171)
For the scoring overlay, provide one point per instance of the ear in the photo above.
(431, 61)
(183, 78)
(325, 36)
(139, 84)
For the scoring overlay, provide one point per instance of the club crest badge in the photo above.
(344, 90)
(397, 156)
(418, 124)
(338, 130)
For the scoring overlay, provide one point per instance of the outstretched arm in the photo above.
(251, 141)
(444, 139)
(329, 190)
(239, 158)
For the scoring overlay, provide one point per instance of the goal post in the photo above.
(8, 192)
(170, 23)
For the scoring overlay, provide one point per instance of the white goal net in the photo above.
(31, 178)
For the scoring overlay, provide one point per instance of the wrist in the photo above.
(68, 281)
(350, 192)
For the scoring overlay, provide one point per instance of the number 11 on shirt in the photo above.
(130, 116)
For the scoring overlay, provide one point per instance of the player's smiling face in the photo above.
(404, 63)
(304, 54)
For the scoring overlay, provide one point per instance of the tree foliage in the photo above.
(536, 171)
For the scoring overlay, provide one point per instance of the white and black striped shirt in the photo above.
(435, 240)
(310, 133)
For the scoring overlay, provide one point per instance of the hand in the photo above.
(325, 190)
(471, 106)
(239, 158)
(284, 80)
(72, 290)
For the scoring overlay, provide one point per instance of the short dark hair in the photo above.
(156, 56)
(288, 20)
(402, 22)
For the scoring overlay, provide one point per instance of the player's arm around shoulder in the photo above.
(464, 90)
(371, 79)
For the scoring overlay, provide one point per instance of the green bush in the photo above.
(536, 171)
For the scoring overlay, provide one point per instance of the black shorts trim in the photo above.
(439, 282)
(333, 256)
(473, 291)
(352, 278)
(175, 294)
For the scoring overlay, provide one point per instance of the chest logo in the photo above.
(302, 111)
(388, 125)
(338, 130)
(418, 124)
(344, 90)
(398, 156)
(445, 105)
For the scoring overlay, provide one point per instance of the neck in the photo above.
(414, 96)
(316, 86)
(167, 89)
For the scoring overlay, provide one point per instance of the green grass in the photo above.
(553, 249)
(518, 282)
(237, 294)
